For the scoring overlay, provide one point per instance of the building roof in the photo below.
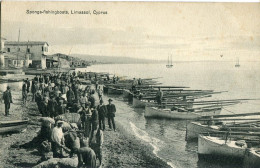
(25, 43)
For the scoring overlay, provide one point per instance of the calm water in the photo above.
(167, 137)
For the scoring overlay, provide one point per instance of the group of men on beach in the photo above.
(62, 93)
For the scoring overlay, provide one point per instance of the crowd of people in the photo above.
(60, 94)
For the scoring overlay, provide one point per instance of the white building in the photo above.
(36, 50)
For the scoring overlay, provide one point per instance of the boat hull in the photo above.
(138, 103)
(214, 146)
(12, 126)
(195, 128)
(160, 113)
(114, 91)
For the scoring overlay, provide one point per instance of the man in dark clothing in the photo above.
(94, 118)
(35, 88)
(24, 92)
(36, 78)
(70, 97)
(7, 96)
(52, 106)
(91, 99)
(41, 79)
(28, 85)
(102, 112)
(111, 110)
(38, 100)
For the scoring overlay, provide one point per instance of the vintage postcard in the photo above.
(130, 84)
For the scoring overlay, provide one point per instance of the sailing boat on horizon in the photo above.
(237, 63)
(169, 63)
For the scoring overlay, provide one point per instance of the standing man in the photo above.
(159, 96)
(58, 141)
(100, 92)
(95, 142)
(70, 97)
(7, 96)
(111, 110)
(102, 112)
(28, 85)
(24, 92)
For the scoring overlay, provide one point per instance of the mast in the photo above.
(171, 59)
(26, 53)
(18, 48)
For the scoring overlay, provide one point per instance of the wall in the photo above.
(36, 53)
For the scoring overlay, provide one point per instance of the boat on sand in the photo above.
(12, 126)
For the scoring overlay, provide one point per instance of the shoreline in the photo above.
(120, 149)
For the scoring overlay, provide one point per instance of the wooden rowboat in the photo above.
(112, 90)
(167, 113)
(12, 126)
(138, 103)
(195, 128)
(216, 146)
(252, 158)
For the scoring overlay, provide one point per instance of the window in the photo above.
(18, 49)
(42, 48)
(28, 50)
(8, 50)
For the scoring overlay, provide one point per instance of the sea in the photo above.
(167, 137)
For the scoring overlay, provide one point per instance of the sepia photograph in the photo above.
(129, 84)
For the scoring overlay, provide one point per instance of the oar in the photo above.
(231, 119)
(235, 115)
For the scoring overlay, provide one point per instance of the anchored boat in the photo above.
(217, 146)
(180, 113)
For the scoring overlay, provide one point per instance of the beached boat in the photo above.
(168, 113)
(138, 103)
(127, 94)
(112, 90)
(195, 128)
(12, 126)
(217, 146)
(252, 158)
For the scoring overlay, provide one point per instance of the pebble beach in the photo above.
(120, 149)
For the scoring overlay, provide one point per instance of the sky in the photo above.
(147, 30)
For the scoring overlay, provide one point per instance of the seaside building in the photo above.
(33, 52)
(58, 61)
(2, 57)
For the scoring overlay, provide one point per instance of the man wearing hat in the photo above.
(58, 141)
(102, 112)
(7, 96)
(111, 110)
